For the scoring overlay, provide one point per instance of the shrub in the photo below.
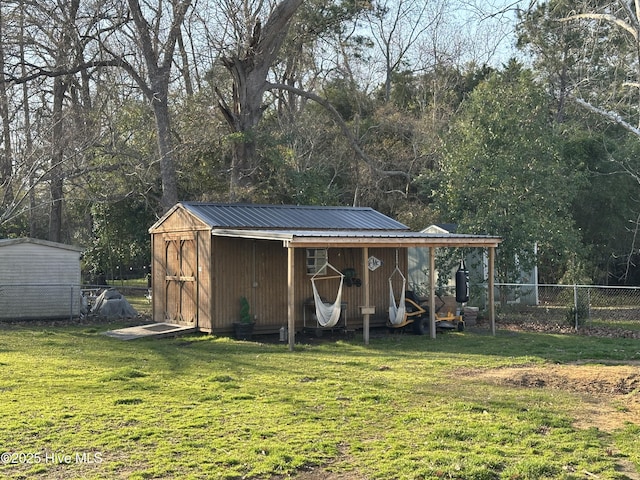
(578, 313)
(245, 315)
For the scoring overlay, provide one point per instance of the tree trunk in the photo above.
(243, 152)
(165, 148)
(6, 153)
(58, 139)
(186, 74)
(57, 156)
(158, 59)
(249, 71)
(26, 112)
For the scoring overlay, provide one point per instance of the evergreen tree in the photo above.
(503, 175)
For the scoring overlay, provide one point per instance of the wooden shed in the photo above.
(207, 256)
(39, 279)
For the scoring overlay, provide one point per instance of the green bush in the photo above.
(577, 315)
(245, 315)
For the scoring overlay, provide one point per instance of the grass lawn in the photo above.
(78, 404)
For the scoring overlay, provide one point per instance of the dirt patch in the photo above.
(610, 391)
(609, 394)
(319, 474)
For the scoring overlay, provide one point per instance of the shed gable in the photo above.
(178, 219)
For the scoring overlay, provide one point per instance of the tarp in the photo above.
(111, 303)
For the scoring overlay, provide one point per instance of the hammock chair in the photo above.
(397, 312)
(327, 313)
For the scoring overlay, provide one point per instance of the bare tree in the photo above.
(49, 45)
(396, 27)
(6, 152)
(616, 97)
(600, 71)
(64, 48)
(28, 137)
(158, 58)
(256, 49)
(111, 49)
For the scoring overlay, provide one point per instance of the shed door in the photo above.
(181, 299)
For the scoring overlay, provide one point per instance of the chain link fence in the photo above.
(30, 301)
(570, 305)
(35, 301)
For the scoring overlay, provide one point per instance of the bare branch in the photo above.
(633, 247)
(607, 17)
(633, 17)
(341, 123)
(43, 72)
(613, 116)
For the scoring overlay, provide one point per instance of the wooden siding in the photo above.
(254, 269)
(158, 269)
(341, 259)
(180, 271)
(181, 259)
(257, 269)
(204, 285)
(39, 282)
(199, 279)
(180, 221)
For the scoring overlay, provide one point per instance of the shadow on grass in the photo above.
(207, 352)
(506, 347)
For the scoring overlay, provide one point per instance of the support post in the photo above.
(367, 294)
(491, 293)
(432, 292)
(291, 297)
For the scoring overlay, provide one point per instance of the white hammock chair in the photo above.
(327, 313)
(397, 311)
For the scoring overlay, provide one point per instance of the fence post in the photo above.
(71, 304)
(575, 304)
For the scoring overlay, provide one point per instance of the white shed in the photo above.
(38, 279)
(524, 291)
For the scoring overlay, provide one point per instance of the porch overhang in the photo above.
(362, 238)
(365, 239)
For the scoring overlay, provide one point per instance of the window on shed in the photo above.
(316, 261)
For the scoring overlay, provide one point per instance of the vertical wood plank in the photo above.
(492, 304)
(291, 297)
(432, 292)
(367, 293)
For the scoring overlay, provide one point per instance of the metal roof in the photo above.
(4, 242)
(291, 217)
(318, 227)
(359, 238)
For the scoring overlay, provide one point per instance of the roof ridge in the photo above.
(272, 205)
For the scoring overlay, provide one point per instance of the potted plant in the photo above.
(243, 329)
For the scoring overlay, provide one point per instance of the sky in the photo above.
(491, 25)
